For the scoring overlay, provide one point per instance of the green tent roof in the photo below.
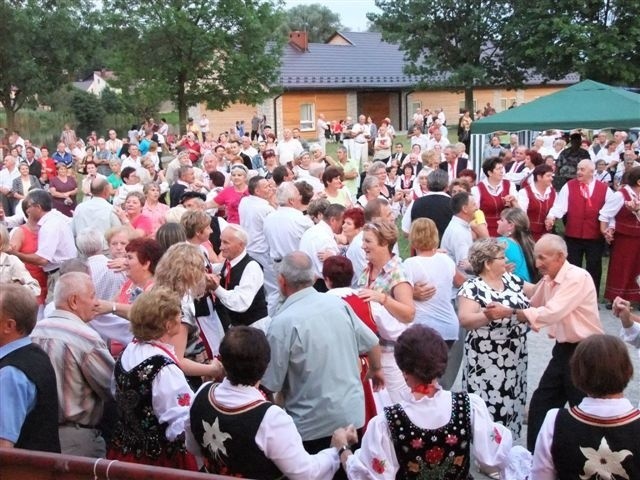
(587, 104)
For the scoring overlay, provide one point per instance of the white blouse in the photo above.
(490, 446)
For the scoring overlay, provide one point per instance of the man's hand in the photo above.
(213, 281)
(494, 311)
(377, 378)
(548, 223)
(622, 310)
(423, 291)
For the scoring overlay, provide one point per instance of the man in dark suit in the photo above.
(435, 205)
(398, 154)
(453, 164)
(414, 160)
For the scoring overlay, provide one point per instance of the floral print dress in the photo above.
(496, 354)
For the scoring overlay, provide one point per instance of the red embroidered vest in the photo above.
(492, 205)
(582, 216)
(626, 222)
(538, 211)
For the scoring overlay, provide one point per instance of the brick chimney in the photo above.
(299, 40)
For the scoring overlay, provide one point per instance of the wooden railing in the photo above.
(18, 464)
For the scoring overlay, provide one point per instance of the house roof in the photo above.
(358, 60)
(84, 85)
(365, 61)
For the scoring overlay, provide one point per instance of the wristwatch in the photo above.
(343, 449)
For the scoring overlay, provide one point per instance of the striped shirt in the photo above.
(82, 363)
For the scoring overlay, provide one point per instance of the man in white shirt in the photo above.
(360, 133)
(319, 241)
(288, 149)
(515, 171)
(438, 139)
(419, 138)
(134, 159)
(55, 237)
(96, 213)
(113, 144)
(284, 227)
(239, 290)
(247, 148)
(321, 129)
(7, 175)
(253, 211)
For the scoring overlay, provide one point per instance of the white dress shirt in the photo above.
(55, 240)
(561, 205)
(317, 239)
(457, 239)
(613, 204)
(277, 437)
(252, 211)
(96, 214)
(283, 230)
(7, 176)
(356, 254)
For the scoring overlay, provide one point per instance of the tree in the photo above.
(317, 20)
(44, 42)
(193, 51)
(88, 110)
(449, 42)
(599, 40)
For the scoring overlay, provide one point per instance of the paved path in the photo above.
(539, 354)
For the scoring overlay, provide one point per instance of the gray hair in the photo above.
(438, 181)
(369, 182)
(89, 242)
(483, 251)
(72, 283)
(314, 146)
(316, 169)
(238, 232)
(375, 166)
(285, 192)
(297, 270)
(553, 242)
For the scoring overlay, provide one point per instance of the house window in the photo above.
(307, 117)
(462, 107)
(505, 103)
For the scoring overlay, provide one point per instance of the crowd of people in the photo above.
(240, 306)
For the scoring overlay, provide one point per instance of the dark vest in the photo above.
(236, 431)
(138, 431)
(40, 428)
(258, 307)
(214, 238)
(576, 433)
(626, 222)
(435, 207)
(440, 453)
(582, 215)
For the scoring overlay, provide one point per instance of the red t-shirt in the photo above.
(230, 198)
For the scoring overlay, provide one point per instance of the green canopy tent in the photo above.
(587, 104)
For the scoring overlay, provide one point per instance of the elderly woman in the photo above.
(235, 408)
(434, 267)
(536, 199)
(182, 270)
(12, 270)
(332, 179)
(599, 437)
(385, 284)
(496, 343)
(151, 429)
(133, 215)
(108, 282)
(230, 196)
(169, 234)
(494, 194)
(513, 228)
(63, 189)
(24, 182)
(435, 432)
(370, 189)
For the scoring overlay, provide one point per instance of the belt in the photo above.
(277, 260)
(387, 343)
(51, 272)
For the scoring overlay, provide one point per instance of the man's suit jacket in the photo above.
(462, 165)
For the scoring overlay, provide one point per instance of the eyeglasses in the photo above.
(499, 258)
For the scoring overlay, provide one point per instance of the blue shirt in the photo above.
(65, 158)
(17, 395)
(515, 255)
(315, 340)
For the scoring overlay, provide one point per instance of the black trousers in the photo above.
(592, 250)
(554, 390)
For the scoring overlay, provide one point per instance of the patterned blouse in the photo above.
(392, 274)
